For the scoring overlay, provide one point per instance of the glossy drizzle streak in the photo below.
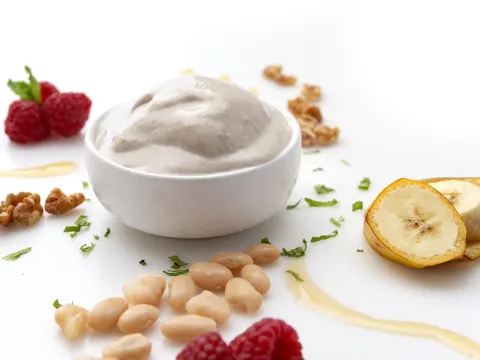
(313, 296)
(54, 169)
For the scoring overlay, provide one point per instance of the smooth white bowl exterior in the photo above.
(193, 206)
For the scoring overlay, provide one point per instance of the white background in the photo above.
(401, 80)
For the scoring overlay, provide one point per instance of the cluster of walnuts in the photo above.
(307, 114)
(26, 209)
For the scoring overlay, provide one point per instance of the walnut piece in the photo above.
(22, 209)
(58, 202)
(311, 92)
(326, 135)
(274, 72)
(297, 106)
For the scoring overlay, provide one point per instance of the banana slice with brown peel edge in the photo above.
(413, 224)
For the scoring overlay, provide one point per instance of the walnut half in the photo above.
(274, 72)
(58, 202)
(22, 209)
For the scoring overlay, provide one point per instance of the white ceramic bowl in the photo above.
(197, 206)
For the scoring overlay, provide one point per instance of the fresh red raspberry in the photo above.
(66, 113)
(24, 122)
(268, 339)
(209, 346)
(47, 89)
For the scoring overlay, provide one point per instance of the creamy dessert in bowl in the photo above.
(194, 157)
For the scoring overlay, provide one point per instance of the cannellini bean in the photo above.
(146, 289)
(210, 276)
(235, 261)
(138, 318)
(72, 319)
(187, 327)
(129, 347)
(263, 253)
(256, 276)
(180, 290)
(104, 315)
(241, 295)
(209, 305)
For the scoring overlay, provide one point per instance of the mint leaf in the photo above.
(56, 304)
(85, 184)
(358, 205)
(313, 203)
(318, 169)
(34, 86)
(295, 275)
(324, 237)
(175, 272)
(87, 248)
(335, 222)
(345, 162)
(364, 184)
(177, 263)
(265, 241)
(21, 88)
(291, 207)
(359, 250)
(107, 233)
(143, 262)
(17, 254)
(297, 252)
(307, 152)
(322, 189)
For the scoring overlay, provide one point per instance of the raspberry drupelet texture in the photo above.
(47, 89)
(24, 122)
(268, 339)
(66, 113)
(209, 346)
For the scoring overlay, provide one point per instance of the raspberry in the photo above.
(209, 346)
(24, 122)
(268, 339)
(67, 113)
(47, 89)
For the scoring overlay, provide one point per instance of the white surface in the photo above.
(400, 80)
(191, 207)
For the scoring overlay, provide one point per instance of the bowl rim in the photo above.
(295, 140)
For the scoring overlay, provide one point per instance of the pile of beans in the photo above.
(237, 274)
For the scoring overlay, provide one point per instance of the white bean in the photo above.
(72, 319)
(241, 295)
(180, 290)
(187, 327)
(209, 305)
(210, 276)
(138, 318)
(256, 276)
(104, 315)
(129, 347)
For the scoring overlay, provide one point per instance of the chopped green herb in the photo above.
(87, 248)
(359, 250)
(85, 184)
(358, 205)
(297, 252)
(96, 237)
(56, 304)
(177, 263)
(313, 203)
(324, 237)
(265, 241)
(175, 272)
(364, 184)
(295, 275)
(73, 228)
(322, 189)
(291, 207)
(307, 152)
(345, 162)
(107, 233)
(335, 222)
(82, 221)
(17, 254)
(318, 169)
(143, 262)
(341, 219)
(34, 86)
(88, 199)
